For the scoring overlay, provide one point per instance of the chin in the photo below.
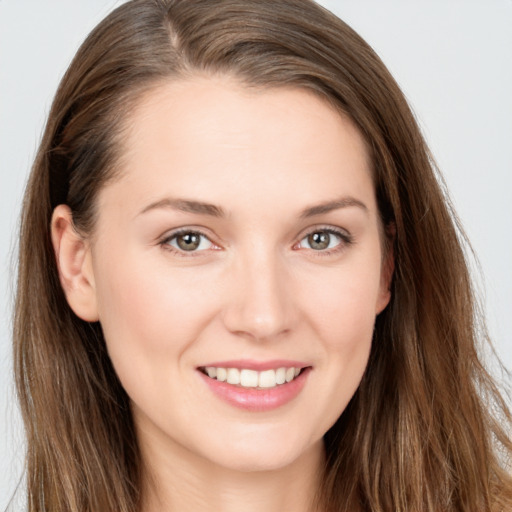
(249, 454)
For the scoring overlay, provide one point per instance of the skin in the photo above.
(254, 289)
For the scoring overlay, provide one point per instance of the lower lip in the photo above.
(257, 400)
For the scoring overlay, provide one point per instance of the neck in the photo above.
(177, 480)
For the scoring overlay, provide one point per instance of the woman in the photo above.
(232, 291)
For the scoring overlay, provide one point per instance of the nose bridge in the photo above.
(261, 305)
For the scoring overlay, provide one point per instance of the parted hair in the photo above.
(427, 429)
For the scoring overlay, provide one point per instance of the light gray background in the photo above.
(453, 59)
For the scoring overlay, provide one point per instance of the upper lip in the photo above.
(251, 364)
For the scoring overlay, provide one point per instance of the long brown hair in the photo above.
(427, 430)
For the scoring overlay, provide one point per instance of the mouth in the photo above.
(253, 386)
(254, 379)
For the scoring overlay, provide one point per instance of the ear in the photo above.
(387, 269)
(74, 263)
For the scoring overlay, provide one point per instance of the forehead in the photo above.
(215, 140)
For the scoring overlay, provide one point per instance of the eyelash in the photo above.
(346, 239)
(165, 242)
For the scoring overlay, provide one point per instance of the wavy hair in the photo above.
(427, 429)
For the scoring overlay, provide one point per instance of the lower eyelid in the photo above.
(167, 245)
(344, 238)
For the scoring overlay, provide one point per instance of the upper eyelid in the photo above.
(169, 235)
(164, 243)
(345, 239)
(344, 233)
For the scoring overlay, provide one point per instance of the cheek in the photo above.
(345, 307)
(346, 318)
(343, 316)
(149, 315)
(150, 318)
(348, 345)
(138, 296)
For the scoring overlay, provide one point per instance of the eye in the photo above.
(323, 240)
(188, 241)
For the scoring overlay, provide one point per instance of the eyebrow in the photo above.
(187, 206)
(329, 206)
(201, 208)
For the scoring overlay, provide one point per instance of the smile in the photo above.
(255, 387)
(248, 378)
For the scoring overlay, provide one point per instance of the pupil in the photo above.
(319, 240)
(188, 241)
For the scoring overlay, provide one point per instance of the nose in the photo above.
(261, 305)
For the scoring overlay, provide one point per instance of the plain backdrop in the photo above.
(452, 58)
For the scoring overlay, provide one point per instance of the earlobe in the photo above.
(74, 264)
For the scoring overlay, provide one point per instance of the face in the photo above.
(242, 241)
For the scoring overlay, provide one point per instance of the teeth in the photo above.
(233, 376)
(267, 379)
(251, 378)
